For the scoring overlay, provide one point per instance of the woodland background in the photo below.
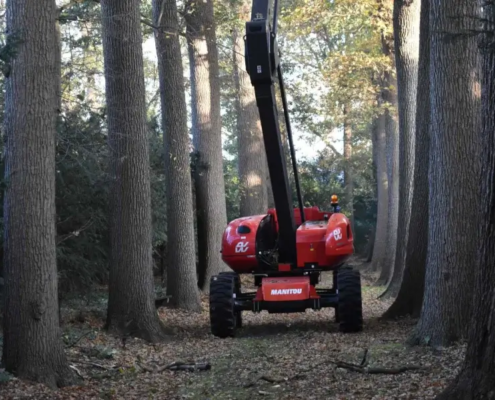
(143, 157)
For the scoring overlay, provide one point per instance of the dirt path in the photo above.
(287, 356)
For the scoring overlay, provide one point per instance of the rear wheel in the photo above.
(350, 307)
(223, 318)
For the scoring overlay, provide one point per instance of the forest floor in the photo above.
(280, 356)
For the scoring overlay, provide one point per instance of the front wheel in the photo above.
(223, 318)
(350, 307)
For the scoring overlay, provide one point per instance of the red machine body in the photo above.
(287, 249)
(323, 242)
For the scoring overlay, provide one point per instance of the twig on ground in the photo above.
(177, 366)
(263, 353)
(364, 361)
(79, 339)
(73, 367)
(93, 364)
(146, 367)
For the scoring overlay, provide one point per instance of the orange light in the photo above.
(335, 199)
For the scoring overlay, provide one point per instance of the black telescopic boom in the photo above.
(261, 65)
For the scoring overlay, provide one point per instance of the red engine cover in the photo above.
(239, 244)
(326, 244)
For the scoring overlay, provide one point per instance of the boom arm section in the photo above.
(262, 64)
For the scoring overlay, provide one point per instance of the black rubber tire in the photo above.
(350, 307)
(237, 280)
(223, 318)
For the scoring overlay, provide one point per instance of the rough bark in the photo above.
(181, 255)
(475, 381)
(392, 152)
(348, 176)
(454, 164)
(211, 212)
(410, 297)
(131, 307)
(32, 348)
(251, 150)
(406, 35)
(380, 242)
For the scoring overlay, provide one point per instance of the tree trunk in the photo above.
(406, 28)
(475, 380)
(252, 157)
(410, 297)
(211, 211)
(454, 166)
(348, 182)
(32, 347)
(392, 152)
(379, 145)
(371, 244)
(181, 278)
(131, 307)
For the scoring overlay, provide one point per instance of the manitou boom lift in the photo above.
(286, 249)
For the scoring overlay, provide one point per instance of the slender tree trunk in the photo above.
(410, 297)
(131, 307)
(475, 381)
(252, 157)
(211, 210)
(348, 176)
(406, 28)
(181, 278)
(392, 151)
(454, 164)
(32, 346)
(269, 190)
(380, 243)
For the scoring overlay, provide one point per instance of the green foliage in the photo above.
(322, 178)
(158, 184)
(82, 186)
(231, 177)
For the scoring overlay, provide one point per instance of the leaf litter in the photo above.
(275, 356)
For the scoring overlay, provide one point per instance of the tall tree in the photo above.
(131, 307)
(389, 97)
(406, 36)
(379, 148)
(454, 161)
(475, 381)
(181, 274)
(410, 297)
(252, 157)
(348, 178)
(211, 212)
(32, 346)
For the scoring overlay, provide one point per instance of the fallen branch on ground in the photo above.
(93, 364)
(177, 366)
(376, 370)
(79, 339)
(361, 368)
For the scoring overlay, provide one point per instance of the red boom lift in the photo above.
(288, 248)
